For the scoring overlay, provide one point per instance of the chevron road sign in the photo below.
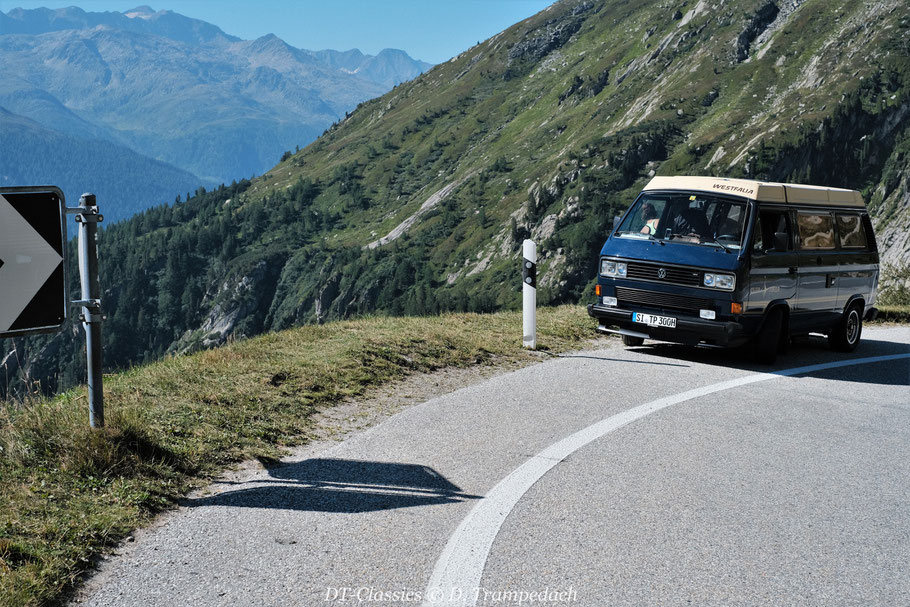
(32, 282)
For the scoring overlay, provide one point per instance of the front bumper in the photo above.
(689, 330)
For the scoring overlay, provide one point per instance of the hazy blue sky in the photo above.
(431, 30)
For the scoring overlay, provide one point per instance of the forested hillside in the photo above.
(418, 201)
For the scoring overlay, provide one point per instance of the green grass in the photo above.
(70, 493)
(894, 313)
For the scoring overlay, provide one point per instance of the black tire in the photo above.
(767, 342)
(631, 342)
(845, 335)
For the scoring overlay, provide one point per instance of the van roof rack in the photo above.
(785, 193)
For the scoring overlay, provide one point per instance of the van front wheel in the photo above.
(844, 337)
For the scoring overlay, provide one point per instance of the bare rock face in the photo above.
(893, 229)
(787, 8)
(757, 24)
(553, 35)
(9, 366)
(327, 294)
(235, 300)
(27, 365)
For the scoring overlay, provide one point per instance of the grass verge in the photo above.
(895, 313)
(70, 493)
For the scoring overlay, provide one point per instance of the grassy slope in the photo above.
(69, 492)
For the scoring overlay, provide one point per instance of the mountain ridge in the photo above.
(178, 89)
(142, 19)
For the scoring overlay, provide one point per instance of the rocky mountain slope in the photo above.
(180, 90)
(417, 202)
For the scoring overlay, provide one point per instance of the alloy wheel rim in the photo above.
(852, 326)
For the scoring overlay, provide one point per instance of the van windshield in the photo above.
(688, 217)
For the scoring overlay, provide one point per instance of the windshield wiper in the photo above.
(654, 238)
(718, 243)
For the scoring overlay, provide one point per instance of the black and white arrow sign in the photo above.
(32, 287)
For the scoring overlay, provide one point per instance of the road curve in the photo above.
(657, 475)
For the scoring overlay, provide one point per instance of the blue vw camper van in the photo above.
(726, 262)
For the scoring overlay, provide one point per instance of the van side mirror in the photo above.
(781, 242)
(616, 219)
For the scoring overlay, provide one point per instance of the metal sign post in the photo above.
(529, 294)
(33, 296)
(87, 216)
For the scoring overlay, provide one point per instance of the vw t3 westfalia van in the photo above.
(725, 262)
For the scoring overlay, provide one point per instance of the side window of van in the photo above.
(770, 222)
(816, 230)
(850, 231)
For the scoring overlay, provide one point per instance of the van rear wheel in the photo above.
(631, 341)
(767, 343)
(844, 337)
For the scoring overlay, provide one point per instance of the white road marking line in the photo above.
(458, 571)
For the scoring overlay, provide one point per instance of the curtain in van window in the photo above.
(850, 230)
(816, 230)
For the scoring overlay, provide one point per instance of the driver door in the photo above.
(773, 273)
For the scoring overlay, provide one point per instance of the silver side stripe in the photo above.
(836, 269)
(815, 270)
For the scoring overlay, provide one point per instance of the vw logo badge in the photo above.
(661, 273)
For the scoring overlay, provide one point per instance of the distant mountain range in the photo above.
(177, 90)
(123, 180)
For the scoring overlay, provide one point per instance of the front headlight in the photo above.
(724, 282)
(612, 268)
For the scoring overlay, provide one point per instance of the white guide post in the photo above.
(529, 294)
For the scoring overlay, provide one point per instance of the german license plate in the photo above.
(652, 320)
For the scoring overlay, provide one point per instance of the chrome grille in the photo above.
(674, 275)
(664, 301)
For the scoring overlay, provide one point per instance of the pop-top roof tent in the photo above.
(762, 190)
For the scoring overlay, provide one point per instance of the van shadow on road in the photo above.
(337, 485)
(801, 353)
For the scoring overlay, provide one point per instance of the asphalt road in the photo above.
(658, 475)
